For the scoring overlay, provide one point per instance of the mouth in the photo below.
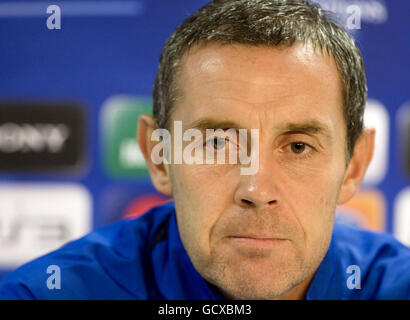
(255, 241)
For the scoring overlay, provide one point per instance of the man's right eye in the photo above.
(216, 143)
(219, 143)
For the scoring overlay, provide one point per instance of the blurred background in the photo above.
(75, 76)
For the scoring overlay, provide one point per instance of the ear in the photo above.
(159, 172)
(362, 155)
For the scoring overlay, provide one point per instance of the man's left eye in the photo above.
(298, 147)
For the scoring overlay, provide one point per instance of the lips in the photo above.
(255, 245)
(251, 242)
(256, 237)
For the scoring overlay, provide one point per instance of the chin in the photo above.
(248, 290)
(261, 284)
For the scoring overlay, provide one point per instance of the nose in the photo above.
(260, 189)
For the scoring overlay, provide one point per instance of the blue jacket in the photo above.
(144, 258)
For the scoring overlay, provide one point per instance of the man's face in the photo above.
(262, 235)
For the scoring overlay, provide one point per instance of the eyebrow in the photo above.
(310, 127)
(207, 123)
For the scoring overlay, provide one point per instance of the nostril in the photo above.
(248, 203)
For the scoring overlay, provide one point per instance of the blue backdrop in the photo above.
(105, 57)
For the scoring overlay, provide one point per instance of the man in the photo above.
(286, 71)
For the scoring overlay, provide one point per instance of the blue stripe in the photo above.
(83, 8)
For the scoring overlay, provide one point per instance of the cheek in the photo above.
(315, 176)
(201, 195)
(310, 193)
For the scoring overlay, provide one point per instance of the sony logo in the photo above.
(42, 136)
(39, 137)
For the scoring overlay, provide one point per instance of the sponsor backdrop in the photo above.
(71, 91)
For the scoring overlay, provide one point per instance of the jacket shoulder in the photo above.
(383, 261)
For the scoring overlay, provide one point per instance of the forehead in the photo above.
(214, 78)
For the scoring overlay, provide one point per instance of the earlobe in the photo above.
(362, 155)
(159, 173)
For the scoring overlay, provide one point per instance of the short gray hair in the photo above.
(268, 23)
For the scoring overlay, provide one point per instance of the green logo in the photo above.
(122, 156)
